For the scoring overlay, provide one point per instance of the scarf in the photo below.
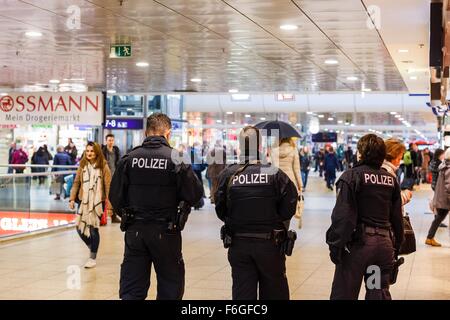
(91, 208)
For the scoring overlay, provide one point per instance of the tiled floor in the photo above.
(43, 268)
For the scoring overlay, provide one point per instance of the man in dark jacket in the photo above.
(62, 159)
(10, 156)
(112, 157)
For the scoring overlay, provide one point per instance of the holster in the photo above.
(398, 262)
(180, 218)
(127, 218)
(288, 244)
(225, 236)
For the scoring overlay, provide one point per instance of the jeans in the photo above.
(438, 218)
(93, 241)
(305, 174)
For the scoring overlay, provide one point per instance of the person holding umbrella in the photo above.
(285, 156)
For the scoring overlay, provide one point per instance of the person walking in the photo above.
(285, 157)
(11, 150)
(41, 157)
(426, 158)
(71, 150)
(331, 165)
(368, 211)
(61, 159)
(19, 156)
(217, 161)
(305, 164)
(438, 158)
(441, 199)
(111, 153)
(394, 154)
(91, 188)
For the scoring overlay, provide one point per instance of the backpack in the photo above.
(407, 158)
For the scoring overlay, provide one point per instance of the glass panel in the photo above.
(125, 106)
(27, 202)
(154, 104)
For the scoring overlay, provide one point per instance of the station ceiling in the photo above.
(228, 44)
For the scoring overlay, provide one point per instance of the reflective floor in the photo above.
(43, 268)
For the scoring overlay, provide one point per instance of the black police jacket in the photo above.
(260, 198)
(152, 181)
(369, 196)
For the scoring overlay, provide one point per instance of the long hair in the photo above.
(99, 160)
(288, 140)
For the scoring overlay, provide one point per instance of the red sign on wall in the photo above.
(21, 222)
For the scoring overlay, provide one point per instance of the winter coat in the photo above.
(331, 164)
(391, 169)
(19, 157)
(215, 168)
(434, 168)
(305, 161)
(77, 188)
(40, 157)
(441, 199)
(62, 159)
(286, 158)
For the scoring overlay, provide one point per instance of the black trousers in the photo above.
(254, 263)
(376, 252)
(147, 244)
(438, 218)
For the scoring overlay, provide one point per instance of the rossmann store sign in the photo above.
(52, 108)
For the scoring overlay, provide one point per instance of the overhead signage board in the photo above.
(324, 137)
(123, 123)
(48, 108)
(120, 51)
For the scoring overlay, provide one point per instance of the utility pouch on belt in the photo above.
(359, 235)
(279, 236)
(127, 218)
(225, 237)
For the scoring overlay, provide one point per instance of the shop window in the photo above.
(121, 106)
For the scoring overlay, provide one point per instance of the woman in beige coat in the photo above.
(91, 188)
(286, 158)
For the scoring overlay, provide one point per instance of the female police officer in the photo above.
(367, 226)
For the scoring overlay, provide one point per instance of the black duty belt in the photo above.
(377, 230)
(264, 236)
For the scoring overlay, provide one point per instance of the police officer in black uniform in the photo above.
(147, 188)
(256, 202)
(367, 225)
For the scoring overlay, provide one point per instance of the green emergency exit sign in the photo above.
(120, 51)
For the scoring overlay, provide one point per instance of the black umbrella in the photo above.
(285, 130)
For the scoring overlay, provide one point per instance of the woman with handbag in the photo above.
(91, 189)
(286, 158)
(440, 199)
(394, 154)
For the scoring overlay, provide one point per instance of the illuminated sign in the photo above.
(285, 97)
(123, 123)
(19, 222)
(47, 108)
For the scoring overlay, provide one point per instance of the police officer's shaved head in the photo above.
(158, 124)
(250, 142)
(372, 150)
